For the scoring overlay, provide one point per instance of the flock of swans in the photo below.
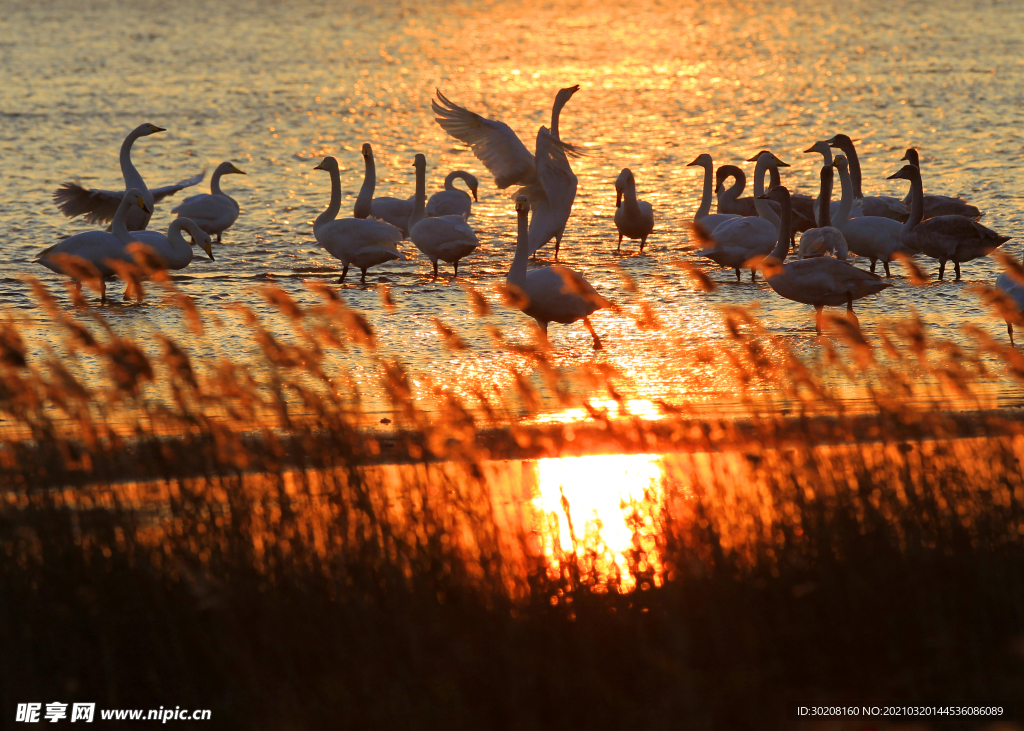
(756, 232)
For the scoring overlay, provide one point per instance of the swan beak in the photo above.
(142, 204)
(895, 175)
(905, 157)
(695, 162)
(763, 197)
(781, 164)
(756, 157)
(157, 129)
(475, 200)
(240, 172)
(208, 249)
(320, 166)
(810, 150)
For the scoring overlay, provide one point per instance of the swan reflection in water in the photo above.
(601, 502)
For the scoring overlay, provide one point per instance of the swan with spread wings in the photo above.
(545, 177)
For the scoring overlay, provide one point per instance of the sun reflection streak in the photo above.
(604, 509)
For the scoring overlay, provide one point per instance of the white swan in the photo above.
(448, 238)
(361, 242)
(552, 293)
(704, 218)
(825, 239)
(742, 238)
(821, 281)
(97, 247)
(822, 147)
(1015, 291)
(883, 206)
(938, 205)
(364, 201)
(99, 206)
(451, 201)
(494, 143)
(945, 238)
(633, 218)
(172, 246)
(546, 177)
(876, 237)
(215, 211)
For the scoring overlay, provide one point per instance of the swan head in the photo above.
(703, 160)
(367, 152)
(420, 161)
(564, 95)
(912, 157)
(821, 147)
(907, 172)
(772, 160)
(227, 168)
(135, 195)
(621, 183)
(144, 130)
(329, 164)
(779, 194)
(522, 205)
(199, 237)
(843, 142)
(473, 184)
(841, 163)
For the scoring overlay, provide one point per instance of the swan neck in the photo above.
(734, 191)
(118, 226)
(782, 246)
(449, 181)
(215, 182)
(776, 179)
(556, 112)
(709, 184)
(764, 210)
(826, 196)
(175, 235)
(517, 274)
(365, 199)
(132, 178)
(420, 206)
(335, 205)
(916, 203)
(846, 197)
(851, 154)
(629, 199)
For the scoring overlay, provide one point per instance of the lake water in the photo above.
(275, 86)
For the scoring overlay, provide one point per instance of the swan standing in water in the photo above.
(99, 206)
(553, 293)
(396, 211)
(1015, 291)
(704, 218)
(361, 242)
(451, 201)
(938, 205)
(825, 239)
(448, 238)
(945, 238)
(883, 206)
(876, 237)
(551, 190)
(216, 211)
(821, 281)
(740, 239)
(97, 247)
(633, 218)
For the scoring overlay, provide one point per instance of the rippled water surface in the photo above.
(276, 86)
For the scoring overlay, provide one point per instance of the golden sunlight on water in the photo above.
(601, 508)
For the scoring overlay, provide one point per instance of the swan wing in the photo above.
(494, 143)
(98, 206)
(161, 193)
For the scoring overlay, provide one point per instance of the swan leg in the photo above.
(344, 271)
(753, 275)
(642, 242)
(956, 266)
(597, 340)
(103, 292)
(435, 270)
(218, 238)
(873, 262)
(850, 314)
(456, 265)
(619, 249)
(942, 268)
(558, 243)
(738, 274)
(817, 318)
(362, 279)
(886, 265)
(1009, 329)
